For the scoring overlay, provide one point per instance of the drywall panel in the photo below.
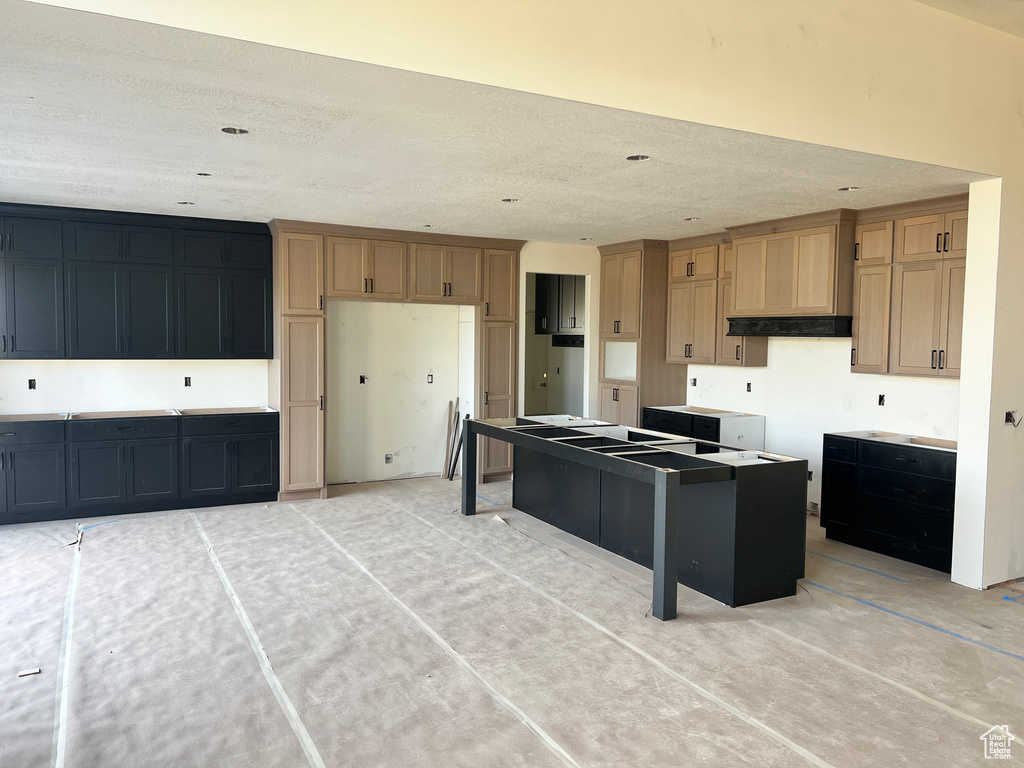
(807, 390)
(118, 385)
(396, 411)
(560, 259)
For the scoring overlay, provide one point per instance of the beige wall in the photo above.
(891, 77)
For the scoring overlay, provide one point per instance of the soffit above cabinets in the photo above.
(104, 112)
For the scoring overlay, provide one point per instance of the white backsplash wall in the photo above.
(117, 385)
(807, 389)
(396, 346)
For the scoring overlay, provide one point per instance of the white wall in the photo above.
(117, 385)
(807, 389)
(396, 411)
(560, 259)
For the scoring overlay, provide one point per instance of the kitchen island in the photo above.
(729, 524)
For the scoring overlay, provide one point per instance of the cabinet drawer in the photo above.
(229, 424)
(905, 488)
(122, 429)
(24, 432)
(839, 449)
(667, 421)
(910, 526)
(706, 428)
(906, 458)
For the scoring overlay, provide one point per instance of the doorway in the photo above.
(555, 359)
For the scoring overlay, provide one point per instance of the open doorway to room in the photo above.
(555, 342)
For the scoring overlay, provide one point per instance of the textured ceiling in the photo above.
(109, 113)
(1004, 15)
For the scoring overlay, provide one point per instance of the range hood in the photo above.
(824, 325)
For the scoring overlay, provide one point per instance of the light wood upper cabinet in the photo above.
(366, 269)
(679, 265)
(501, 277)
(787, 273)
(873, 244)
(621, 274)
(927, 318)
(693, 264)
(301, 262)
(692, 316)
(936, 236)
(747, 351)
(447, 273)
(726, 260)
(871, 293)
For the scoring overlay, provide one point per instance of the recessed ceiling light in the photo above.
(692, 218)
(204, 174)
(427, 226)
(185, 202)
(586, 238)
(638, 158)
(510, 199)
(848, 189)
(235, 131)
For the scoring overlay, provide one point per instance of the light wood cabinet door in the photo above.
(501, 277)
(955, 246)
(679, 265)
(499, 353)
(611, 278)
(704, 324)
(705, 263)
(748, 351)
(629, 290)
(815, 269)
(951, 322)
(387, 273)
(871, 294)
(629, 406)
(726, 260)
(873, 244)
(607, 404)
(464, 274)
(749, 276)
(302, 405)
(920, 238)
(427, 270)
(916, 304)
(302, 274)
(679, 330)
(347, 262)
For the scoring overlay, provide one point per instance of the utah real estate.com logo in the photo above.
(997, 742)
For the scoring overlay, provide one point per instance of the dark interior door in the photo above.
(255, 463)
(35, 478)
(35, 308)
(148, 244)
(148, 311)
(152, 469)
(201, 313)
(250, 319)
(97, 473)
(205, 466)
(33, 238)
(94, 304)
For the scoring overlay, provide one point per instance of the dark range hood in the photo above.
(825, 325)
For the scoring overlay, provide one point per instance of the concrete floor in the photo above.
(381, 628)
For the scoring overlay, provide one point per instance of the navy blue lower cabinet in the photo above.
(562, 493)
(206, 469)
(233, 464)
(97, 473)
(35, 481)
(256, 467)
(152, 470)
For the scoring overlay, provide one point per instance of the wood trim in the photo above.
(633, 245)
(315, 493)
(807, 221)
(370, 233)
(949, 204)
(688, 243)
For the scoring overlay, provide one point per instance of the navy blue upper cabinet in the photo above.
(30, 238)
(113, 242)
(250, 318)
(35, 308)
(249, 251)
(214, 249)
(202, 310)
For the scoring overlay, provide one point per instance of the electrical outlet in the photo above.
(1012, 417)
(881, 399)
(362, 378)
(188, 381)
(430, 378)
(810, 475)
(748, 386)
(693, 382)
(388, 458)
(31, 383)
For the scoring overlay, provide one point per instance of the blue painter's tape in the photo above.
(918, 621)
(854, 565)
(97, 525)
(1013, 599)
(488, 500)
